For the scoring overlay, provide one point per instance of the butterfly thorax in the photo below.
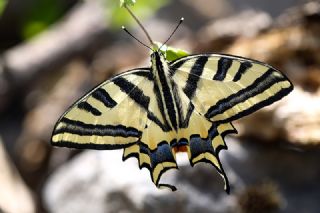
(165, 87)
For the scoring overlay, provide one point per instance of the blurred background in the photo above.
(54, 51)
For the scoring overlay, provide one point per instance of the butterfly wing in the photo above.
(223, 88)
(100, 119)
(121, 112)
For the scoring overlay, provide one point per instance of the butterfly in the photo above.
(185, 105)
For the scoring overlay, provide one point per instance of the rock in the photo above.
(301, 116)
(295, 119)
(292, 173)
(92, 179)
(98, 181)
(262, 198)
(262, 177)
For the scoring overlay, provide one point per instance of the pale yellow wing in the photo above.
(102, 119)
(222, 88)
(123, 112)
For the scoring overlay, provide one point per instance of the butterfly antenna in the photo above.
(175, 29)
(125, 29)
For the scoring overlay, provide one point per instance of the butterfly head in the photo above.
(157, 56)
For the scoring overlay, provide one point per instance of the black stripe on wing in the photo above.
(156, 90)
(82, 129)
(95, 146)
(185, 122)
(194, 76)
(178, 103)
(261, 104)
(174, 66)
(137, 95)
(104, 97)
(244, 66)
(189, 89)
(89, 108)
(147, 75)
(133, 92)
(261, 84)
(184, 117)
(223, 66)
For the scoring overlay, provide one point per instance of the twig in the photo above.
(140, 24)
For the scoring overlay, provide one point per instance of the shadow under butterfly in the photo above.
(186, 105)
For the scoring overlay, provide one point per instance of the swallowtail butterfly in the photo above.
(184, 105)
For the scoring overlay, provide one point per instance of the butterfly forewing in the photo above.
(225, 88)
(101, 119)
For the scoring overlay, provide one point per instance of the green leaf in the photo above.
(174, 54)
(3, 4)
(124, 3)
(171, 53)
(37, 20)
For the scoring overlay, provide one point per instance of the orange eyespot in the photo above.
(180, 149)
